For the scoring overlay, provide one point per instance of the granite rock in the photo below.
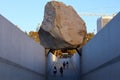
(62, 27)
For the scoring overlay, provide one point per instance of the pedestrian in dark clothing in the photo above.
(61, 71)
(55, 70)
(67, 64)
(64, 64)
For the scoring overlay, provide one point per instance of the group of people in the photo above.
(65, 65)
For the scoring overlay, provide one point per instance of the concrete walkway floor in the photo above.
(69, 73)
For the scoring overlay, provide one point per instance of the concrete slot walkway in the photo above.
(69, 74)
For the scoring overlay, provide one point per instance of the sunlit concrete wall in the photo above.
(21, 58)
(101, 55)
(51, 59)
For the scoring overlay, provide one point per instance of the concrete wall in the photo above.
(50, 62)
(75, 59)
(19, 54)
(101, 55)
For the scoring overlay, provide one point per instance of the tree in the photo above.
(34, 36)
(88, 37)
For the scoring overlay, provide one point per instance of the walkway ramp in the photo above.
(69, 73)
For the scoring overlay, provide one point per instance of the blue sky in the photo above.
(28, 13)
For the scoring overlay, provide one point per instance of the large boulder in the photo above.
(62, 27)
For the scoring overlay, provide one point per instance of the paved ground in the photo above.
(69, 74)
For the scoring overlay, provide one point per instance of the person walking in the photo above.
(61, 71)
(67, 64)
(55, 71)
(64, 64)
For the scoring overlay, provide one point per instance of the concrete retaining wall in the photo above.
(101, 55)
(19, 54)
(50, 62)
(75, 59)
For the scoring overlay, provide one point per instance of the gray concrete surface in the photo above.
(75, 59)
(70, 73)
(101, 55)
(19, 54)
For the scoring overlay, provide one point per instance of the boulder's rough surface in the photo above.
(62, 27)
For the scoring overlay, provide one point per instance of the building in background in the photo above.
(102, 21)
